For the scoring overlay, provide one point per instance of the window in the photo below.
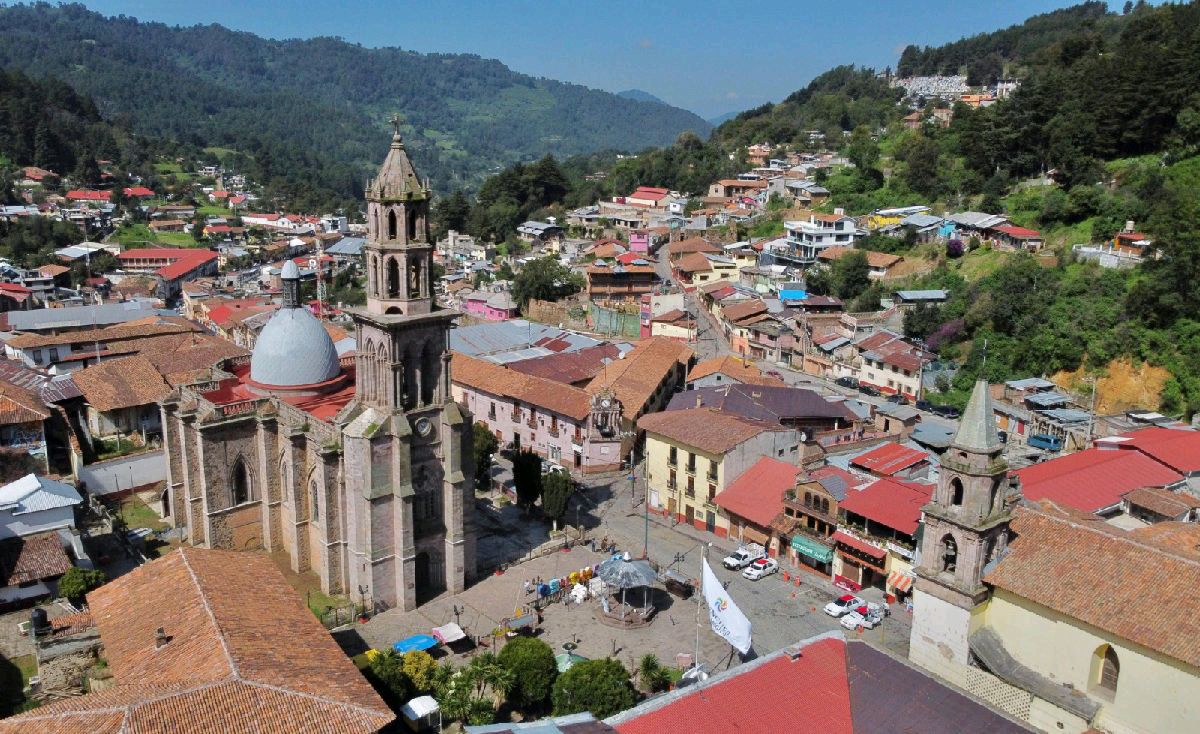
(1110, 670)
(239, 485)
(956, 492)
(391, 224)
(393, 278)
(53, 354)
(691, 465)
(691, 487)
(315, 501)
(673, 457)
(808, 499)
(825, 505)
(949, 553)
(671, 479)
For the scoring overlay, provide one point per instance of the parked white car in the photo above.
(862, 617)
(843, 604)
(761, 567)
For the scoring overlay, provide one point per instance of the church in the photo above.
(358, 469)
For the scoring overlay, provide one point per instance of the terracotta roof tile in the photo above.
(243, 654)
(874, 259)
(691, 245)
(489, 377)
(734, 367)
(1074, 567)
(745, 309)
(704, 428)
(32, 558)
(889, 458)
(568, 367)
(890, 502)
(636, 377)
(121, 383)
(150, 326)
(1163, 501)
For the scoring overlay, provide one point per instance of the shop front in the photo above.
(808, 552)
(858, 564)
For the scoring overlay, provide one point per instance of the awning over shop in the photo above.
(812, 549)
(858, 545)
(416, 642)
(900, 581)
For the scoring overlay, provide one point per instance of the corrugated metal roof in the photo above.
(32, 493)
(102, 315)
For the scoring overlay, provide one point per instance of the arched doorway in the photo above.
(422, 572)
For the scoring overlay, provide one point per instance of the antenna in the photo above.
(983, 366)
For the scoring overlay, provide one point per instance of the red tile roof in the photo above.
(817, 700)
(138, 191)
(888, 459)
(568, 367)
(1093, 479)
(890, 502)
(242, 654)
(823, 472)
(32, 558)
(733, 367)
(709, 430)
(1178, 449)
(855, 543)
(182, 260)
(757, 494)
(1020, 233)
(82, 195)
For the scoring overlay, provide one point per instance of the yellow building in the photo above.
(1051, 615)
(693, 454)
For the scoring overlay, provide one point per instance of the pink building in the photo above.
(561, 423)
(639, 241)
(498, 306)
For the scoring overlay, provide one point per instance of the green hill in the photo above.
(323, 103)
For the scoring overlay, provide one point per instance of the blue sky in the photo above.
(709, 57)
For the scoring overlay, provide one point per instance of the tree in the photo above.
(599, 686)
(556, 494)
(527, 476)
(385, 671)
(921, 321)
(77, 582)
(474, 693)
(850, 274)
(421, 670)
(922, 172)
(862, 150)
(545, 279)
(451, 213)
(484, 447)
(533, 668)
(652, 676)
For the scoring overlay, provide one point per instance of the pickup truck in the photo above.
(744, 556)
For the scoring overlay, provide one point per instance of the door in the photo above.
(690, 514)
(422, 572)
(710, 521)
(671, 508)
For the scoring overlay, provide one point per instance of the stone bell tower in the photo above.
(407, 443)
(966, 526)
(398, 253)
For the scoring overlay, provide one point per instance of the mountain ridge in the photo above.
(325, 98)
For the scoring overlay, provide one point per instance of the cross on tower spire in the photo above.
(396, 119)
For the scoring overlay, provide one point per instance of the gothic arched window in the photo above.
(949, 553)
(393, 278)
(412, 224)
(808, 499)
(391, 225)
(825, 505)
(956, 492)
(315, 501)
(239, 484)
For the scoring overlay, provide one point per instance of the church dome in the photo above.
(293, 349)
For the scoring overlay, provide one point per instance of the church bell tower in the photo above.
(399, 255)
(407, 443)
(966, 527)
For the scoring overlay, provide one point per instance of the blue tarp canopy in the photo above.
(416, 642)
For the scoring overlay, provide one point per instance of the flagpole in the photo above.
(699, 600)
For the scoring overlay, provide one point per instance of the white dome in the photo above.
(293, 349)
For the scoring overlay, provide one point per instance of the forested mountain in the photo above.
(640, 95)
(321, 105)
(982, 57)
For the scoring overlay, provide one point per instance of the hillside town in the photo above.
(618, 469)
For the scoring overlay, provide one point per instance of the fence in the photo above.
(608, 321)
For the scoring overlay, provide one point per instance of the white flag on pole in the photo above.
(727, 620)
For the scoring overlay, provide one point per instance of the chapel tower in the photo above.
(966, 527)
(407, 443)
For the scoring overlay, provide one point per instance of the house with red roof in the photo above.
(1177, 449)
(138, 192)
(893, 460)
(171, 266)
(1096, 479)
(78, 195)
(1012, 237)
(825, 684)
(15, 297)
(753, 501)
(876, 536)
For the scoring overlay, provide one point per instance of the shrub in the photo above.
(531, 662)
(77, 582)
(599, 686)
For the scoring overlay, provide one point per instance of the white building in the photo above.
(34, 504)
(808, 238)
